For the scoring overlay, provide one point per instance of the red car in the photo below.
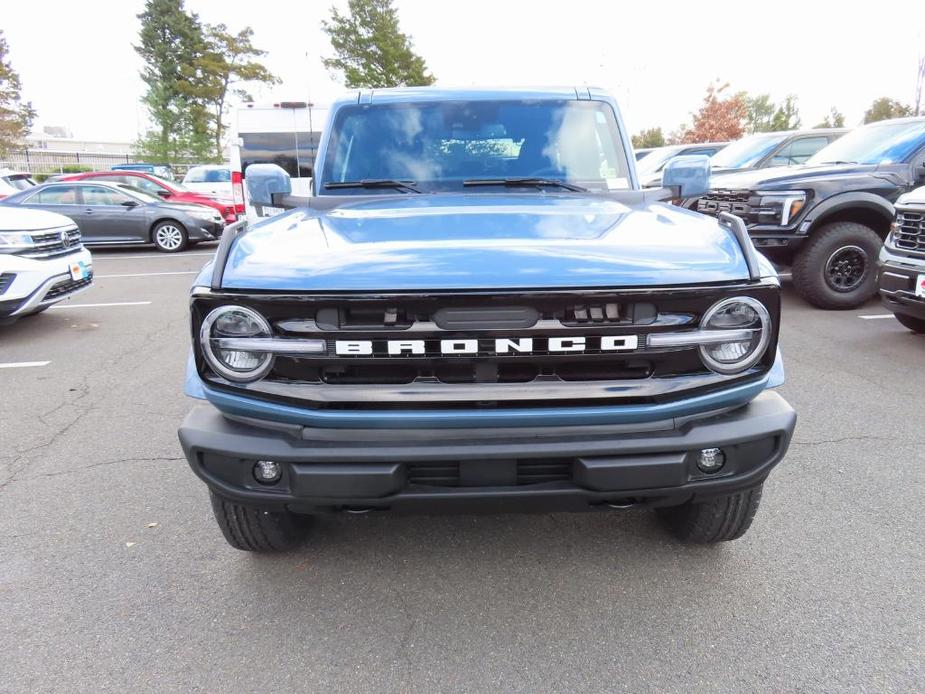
(169, 190)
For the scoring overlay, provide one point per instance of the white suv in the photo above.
(42, 261)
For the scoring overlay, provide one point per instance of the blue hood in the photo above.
(501, 241)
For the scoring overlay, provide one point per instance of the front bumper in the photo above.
(41, 282)
(491, 469)
(896, 278)
(206, 230)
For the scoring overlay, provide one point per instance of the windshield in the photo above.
(201, 174)
(747, 152)
(140, 194)
(879, 143)
(655, 160)
(439, 145)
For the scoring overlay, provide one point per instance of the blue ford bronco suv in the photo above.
(480, 309)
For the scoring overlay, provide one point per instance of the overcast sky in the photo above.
(79, 69)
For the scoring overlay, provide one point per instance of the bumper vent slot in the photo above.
(6, 279)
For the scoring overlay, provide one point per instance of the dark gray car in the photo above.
(116, 214)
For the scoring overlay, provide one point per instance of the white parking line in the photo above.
(121, 303)
(23, 364)
(876, 316)
(101, 256)
(146, 274)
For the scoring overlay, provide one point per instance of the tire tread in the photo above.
(721, 519)
(255, 530)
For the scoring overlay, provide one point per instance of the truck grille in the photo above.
(503, 473)
(484, 376)
(732, 201)
(909, 232)
(54, 243)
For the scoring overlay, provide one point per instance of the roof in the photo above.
(408, 94)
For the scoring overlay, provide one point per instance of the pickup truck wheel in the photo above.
(916, 325)
(169, 236)
(720, 519)
(836, 268)
(255, 530)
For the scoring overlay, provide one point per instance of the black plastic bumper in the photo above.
(557, 468)
(896, 280)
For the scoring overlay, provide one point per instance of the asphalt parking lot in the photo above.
(114, 576)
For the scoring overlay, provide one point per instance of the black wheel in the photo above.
(254, 530)
(719, 519)
(916, 325)
(169, 236)
(836, 268)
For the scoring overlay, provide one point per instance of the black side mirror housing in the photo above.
(163, 193)
(130, 203)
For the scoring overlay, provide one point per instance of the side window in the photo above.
(57, 195)
(98, 195)
(805, 147)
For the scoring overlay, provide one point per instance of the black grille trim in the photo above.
(49, 244)
(66, 287)
(482, 381)
(6, 279)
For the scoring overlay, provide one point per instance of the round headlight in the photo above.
(235, 322)
(747, 322)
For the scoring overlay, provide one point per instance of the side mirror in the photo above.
(920, 173)
(163, 193)
(266, 180)
(690, 174)
(130, 203)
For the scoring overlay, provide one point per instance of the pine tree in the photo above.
(15, 116)
(371, 49)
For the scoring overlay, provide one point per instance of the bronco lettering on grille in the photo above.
(472, 346)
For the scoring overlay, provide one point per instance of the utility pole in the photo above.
(918, 85)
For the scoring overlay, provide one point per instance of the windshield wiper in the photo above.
(375, 183)
(838, 161)
(524, 182)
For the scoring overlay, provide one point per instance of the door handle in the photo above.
(89, 210)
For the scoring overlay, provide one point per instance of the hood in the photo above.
(503, 241)
(913, 197)
(782, 177)
(15, 218)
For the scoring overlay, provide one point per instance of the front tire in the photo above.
(251, 529)
(916, 325)
(169, 236)
(836, 268)
(719, 519)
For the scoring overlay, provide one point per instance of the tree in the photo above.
(760, 112)
(223, 69)
(171, 41)
(787, 116)
(371, 49)
(885, 108)
(835, 119)
(719, 119)
(652, 137)
(15, 116)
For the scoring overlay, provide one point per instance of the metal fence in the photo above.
(48, 161)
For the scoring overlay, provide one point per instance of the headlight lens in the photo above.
(780, 207)
(12, 241)
(751, 320)
(229, 322)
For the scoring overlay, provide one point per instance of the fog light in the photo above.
(267, 472)
(711, 459)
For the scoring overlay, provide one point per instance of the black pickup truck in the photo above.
(828, 218)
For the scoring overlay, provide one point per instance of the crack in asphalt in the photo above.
(14, 468)
(103, 463)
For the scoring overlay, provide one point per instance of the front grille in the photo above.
(6, 279)
(66, 287)
(909, 232)
(55, 243)
(483, 473)
(733, 201)
(485, 376)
